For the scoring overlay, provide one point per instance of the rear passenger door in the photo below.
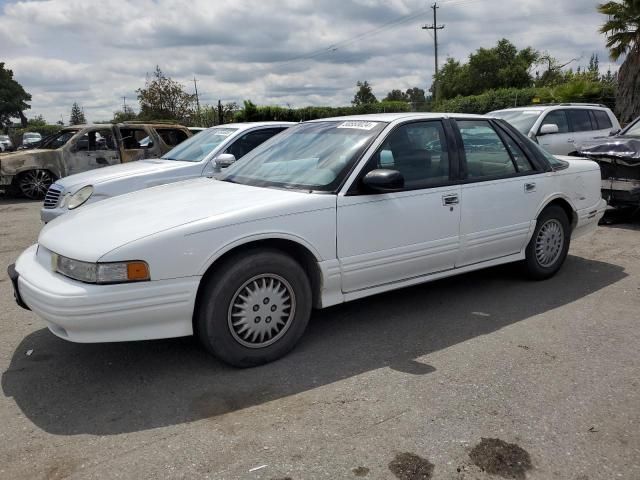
(500, 193)
(583, 126)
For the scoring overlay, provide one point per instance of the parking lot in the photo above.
(551, 368)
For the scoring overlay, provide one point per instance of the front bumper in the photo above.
(13, 276)
(48, 214)
(89, 313)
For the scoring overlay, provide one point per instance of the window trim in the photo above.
(454, 160)
(570, 120)
(464, 179)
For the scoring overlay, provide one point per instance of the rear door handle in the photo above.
(450, 200)
(529, 187)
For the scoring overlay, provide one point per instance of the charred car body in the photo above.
(619, 160)
(84, 147)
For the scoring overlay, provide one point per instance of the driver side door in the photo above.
(390, 237)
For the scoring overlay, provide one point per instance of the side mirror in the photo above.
(549, 128)
(383, 180)
(224, 160)
(614, 132)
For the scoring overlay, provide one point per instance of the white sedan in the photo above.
(199, 156)
(327, 212)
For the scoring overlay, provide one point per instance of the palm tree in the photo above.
(623, 38)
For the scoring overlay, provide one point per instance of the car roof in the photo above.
(248, 125)
(392, 117)
(542, 108)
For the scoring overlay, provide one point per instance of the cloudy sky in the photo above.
(285, 52)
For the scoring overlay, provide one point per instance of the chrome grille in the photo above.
(52, 197)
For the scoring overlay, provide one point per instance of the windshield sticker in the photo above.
(358, 124)
(223, 133)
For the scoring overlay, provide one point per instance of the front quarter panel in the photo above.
(191, 249)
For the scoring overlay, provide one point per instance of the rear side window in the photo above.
(521, 160)
(486, 155)
(602, 119)
(559, 117)
(580, 120)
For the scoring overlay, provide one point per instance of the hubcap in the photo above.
(549, 243)
(261, 311)
(34, 184)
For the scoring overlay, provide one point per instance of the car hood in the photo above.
(115, 172)
(13, 162)
(624, 150)
(91, 232)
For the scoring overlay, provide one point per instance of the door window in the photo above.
(96, 140)
(559, 117)
(172, 136)
(135, 138)
(251, 140)
(418, 151)
(487, 156)
(580, 120)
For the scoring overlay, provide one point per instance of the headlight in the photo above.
(112, 272)
(79, 197)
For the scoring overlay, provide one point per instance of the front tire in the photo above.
(549, 245)
(254, 309)
(33, 184)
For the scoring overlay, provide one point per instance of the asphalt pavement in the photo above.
(481, 376)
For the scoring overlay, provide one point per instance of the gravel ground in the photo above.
(481, 376)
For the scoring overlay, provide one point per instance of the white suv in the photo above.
(561, 128)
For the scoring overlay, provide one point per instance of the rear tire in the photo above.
(549, 245)
(254, 309)
(33, 184)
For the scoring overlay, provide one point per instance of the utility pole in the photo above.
(124, 104)
(195, 85)
(435, 27)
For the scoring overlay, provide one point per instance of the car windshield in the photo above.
(523, 120)
(309, 156)
(632, 130)
(59, 139)
(199, 146)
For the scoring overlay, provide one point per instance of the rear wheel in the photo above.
(254, 309)
(549, 245)
(34, 184)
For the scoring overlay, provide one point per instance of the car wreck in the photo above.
(84, 147)
(619, 160)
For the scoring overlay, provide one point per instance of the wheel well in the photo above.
(298, 252)
(571, 214)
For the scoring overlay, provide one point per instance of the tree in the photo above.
(124, 115)
(416, 96)
(503, 66)
(363, 95)
(396, 96)
(13, 99)
(76, 117)
(622, 30)
(164, 98)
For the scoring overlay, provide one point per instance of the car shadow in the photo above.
(104, 389)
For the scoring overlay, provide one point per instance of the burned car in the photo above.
(619, 160)
(84, 147)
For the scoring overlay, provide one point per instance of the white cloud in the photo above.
(96, 52)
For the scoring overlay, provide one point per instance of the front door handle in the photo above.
(448, 200)
(570, 140)
(529, 187)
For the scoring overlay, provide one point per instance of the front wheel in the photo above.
(34, 184)
(549, 245)
(254, 309)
